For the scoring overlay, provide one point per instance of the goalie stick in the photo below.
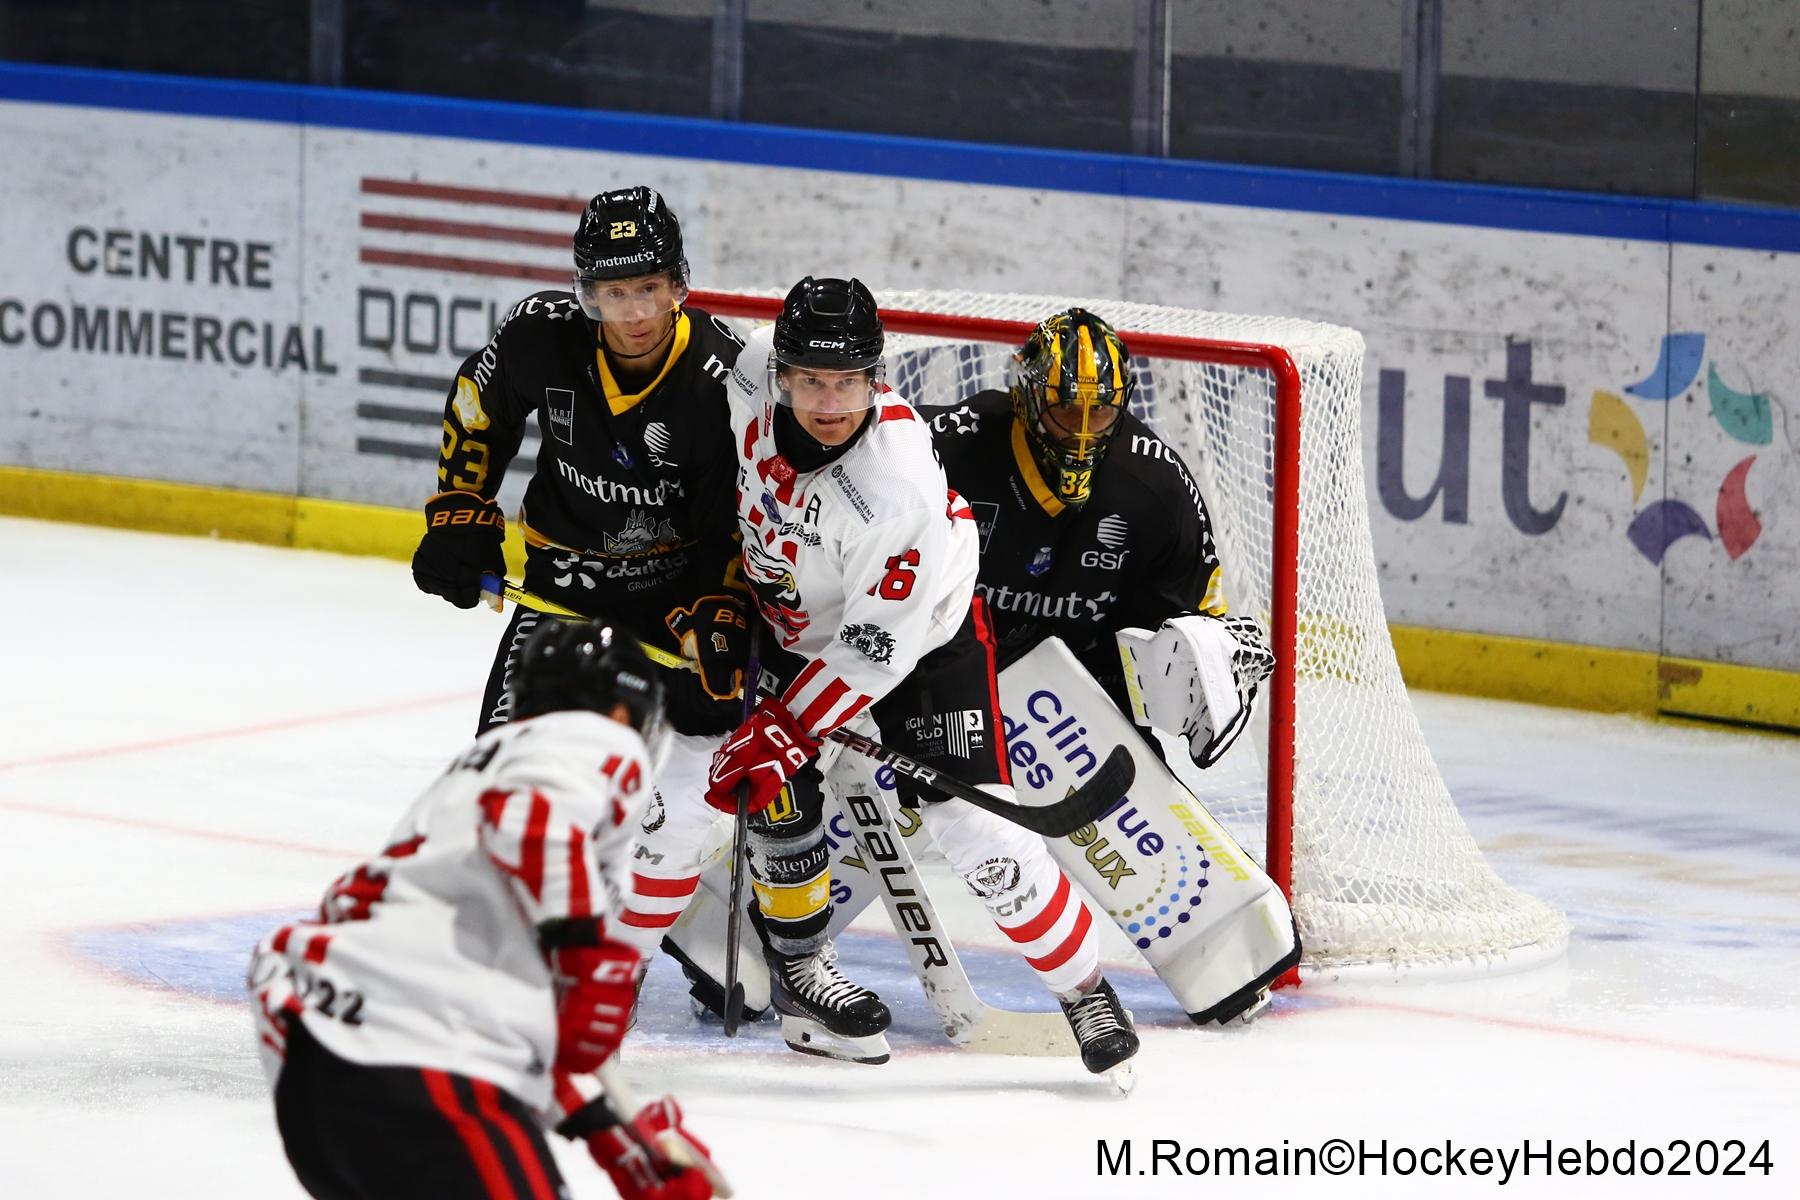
(1081, 806)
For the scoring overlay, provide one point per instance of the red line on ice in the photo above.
(241, 839)
(1597, 1035)
(213, 735)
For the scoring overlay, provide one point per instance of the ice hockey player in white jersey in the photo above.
(457, 993)
(863, 566)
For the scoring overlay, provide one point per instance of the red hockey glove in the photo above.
(656, 1158)
(766, 751)
(714, 632)
(596, 990)
(463, 535)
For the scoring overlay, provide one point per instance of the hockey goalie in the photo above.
(1099, 569)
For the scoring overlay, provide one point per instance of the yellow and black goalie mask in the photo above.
(1070, 384)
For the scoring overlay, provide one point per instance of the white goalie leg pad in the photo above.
(1210, 922)
(697, 942)
(680, 832)
(1012, 873)
(1196, 678)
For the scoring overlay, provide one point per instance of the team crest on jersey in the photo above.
(986, 517)
(1039, 563)
(771, 579)
(642, 535)
(875, 643)
(559, 406)
(994, 877)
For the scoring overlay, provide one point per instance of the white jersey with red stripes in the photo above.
(861, 566)
(427, 955)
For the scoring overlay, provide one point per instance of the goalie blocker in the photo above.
(1209, 921)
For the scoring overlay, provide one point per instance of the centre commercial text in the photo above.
(160, 333)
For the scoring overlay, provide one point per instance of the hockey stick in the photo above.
(1081, 806)
(740, 843)
(968, 1020)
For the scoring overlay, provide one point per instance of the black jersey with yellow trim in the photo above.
(638, 484)
(1139, 551)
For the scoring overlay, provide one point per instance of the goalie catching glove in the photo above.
(1196, 677)
(651, 1157)
(765, 751)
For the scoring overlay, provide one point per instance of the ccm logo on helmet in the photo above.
(821, 344)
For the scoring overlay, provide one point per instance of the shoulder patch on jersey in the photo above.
(468, 405)
(841, 477)
(875, 643)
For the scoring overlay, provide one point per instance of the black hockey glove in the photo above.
(462, 540)
(714, 632)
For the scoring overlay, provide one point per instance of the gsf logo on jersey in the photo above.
(1110, 560)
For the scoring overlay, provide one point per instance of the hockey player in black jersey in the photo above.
(1090, 524)
(631, 509)
(1093, 532)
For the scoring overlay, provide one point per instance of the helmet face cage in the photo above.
(828, 327)
(626, 238)
(1071, 369)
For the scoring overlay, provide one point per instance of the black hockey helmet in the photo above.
(831, 324)
(1071, 369)
(625, 234)
(587, 665)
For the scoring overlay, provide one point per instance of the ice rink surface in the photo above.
(198, 736)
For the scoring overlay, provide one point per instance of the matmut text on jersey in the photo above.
(633, 470)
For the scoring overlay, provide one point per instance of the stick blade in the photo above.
(1087, 803)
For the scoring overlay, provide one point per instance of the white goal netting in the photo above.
(1385, 873)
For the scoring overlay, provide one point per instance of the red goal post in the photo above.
(1359, 831)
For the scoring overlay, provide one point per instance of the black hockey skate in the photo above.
(822, 1012)
(1104, 1032)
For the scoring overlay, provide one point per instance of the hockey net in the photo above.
(1345, 806)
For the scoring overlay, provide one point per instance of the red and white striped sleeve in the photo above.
(563, 839)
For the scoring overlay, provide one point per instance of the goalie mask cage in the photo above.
(1346, 810)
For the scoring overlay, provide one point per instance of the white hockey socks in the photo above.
(1013, 875)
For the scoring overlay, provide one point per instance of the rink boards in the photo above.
(1581, 473)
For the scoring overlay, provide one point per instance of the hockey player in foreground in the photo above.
(1093, 531)
(629, 512)
(863, 567)
(460, 989)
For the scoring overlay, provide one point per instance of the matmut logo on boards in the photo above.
(440, 266)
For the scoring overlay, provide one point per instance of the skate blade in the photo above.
(809, 1037)
(1123, 1077)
